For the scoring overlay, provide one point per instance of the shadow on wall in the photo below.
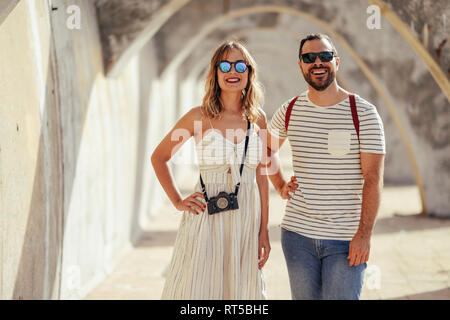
(50, 244)
(6, 6)
(39, 271)
(38, 275)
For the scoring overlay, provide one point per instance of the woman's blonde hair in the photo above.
(251, 95)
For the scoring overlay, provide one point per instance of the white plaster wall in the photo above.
(77, 186)
(30, 176)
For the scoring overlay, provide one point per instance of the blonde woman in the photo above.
(222, 242)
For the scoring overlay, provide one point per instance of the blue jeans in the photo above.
(318, 269)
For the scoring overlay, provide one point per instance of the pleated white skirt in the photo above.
(216, 256)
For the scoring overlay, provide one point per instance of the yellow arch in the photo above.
(114, 68)
(210, 27)
(438, 75)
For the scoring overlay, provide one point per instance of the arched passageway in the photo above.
(83, 115)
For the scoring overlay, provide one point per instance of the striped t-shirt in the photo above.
(326, 162)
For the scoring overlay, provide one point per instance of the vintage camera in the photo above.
(222, 202)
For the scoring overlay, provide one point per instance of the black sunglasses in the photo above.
(324, 56)
(240, 66)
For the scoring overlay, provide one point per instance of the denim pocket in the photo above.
(336, 246)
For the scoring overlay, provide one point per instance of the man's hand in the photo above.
(359, 249)
(291, 186)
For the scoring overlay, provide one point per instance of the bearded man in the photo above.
(338, 149)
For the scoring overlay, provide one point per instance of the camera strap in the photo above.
(240, 169)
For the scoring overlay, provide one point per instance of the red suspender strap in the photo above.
(354, 113)
(288, 113)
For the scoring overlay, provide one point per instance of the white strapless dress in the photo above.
(216, 256)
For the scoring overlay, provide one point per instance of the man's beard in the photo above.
(320, 85)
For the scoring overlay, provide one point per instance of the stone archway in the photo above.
(173, 40)
(210, 27)
(402, 29)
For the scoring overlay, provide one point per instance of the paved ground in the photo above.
(410, 254)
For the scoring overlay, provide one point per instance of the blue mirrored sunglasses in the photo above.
(240, 66)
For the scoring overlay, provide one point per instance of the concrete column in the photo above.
(31, 172)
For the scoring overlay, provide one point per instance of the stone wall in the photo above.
(76, 181)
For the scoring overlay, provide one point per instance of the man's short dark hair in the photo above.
(315, 36)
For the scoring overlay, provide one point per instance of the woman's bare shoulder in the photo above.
(189, 119)
(193, 114)
(196, 113)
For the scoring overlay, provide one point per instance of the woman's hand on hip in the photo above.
(192, 203)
